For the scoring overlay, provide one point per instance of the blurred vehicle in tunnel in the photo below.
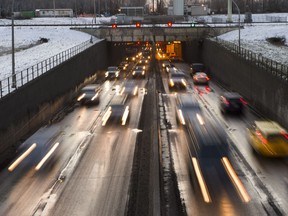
(186, 105)
(200, 78)
(139, 72)
(208, 138)
(129, 88)
(112, 72)
(90, 94)
(118, 111)
(231, 102)
(268, 138)
(177, 80)
(197, 67)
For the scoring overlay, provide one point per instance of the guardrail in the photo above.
(22, 77)
(276, 68)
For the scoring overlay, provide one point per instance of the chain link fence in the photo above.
(20, 78)
(269, 65)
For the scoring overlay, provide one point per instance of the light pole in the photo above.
(13, 51)
(239, 43)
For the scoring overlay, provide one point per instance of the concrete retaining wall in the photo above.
(32, 105)
(263, 91)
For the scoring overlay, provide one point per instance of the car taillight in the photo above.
(207, 78)
(225, 101)
(243, 101)
(284, 134)
(261, 137)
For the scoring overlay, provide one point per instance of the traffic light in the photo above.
(114, 25)
(138, 24)
(169, 24)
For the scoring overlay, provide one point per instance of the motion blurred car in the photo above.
(90, 94)
(118, 111)
(231, 102)
(177, 80)
(200, 78)
(197, 67)
(268, 138)
(186, 105)
(123, 66)
(165, 64)
(139, 72)
(130, 88)
(112, 72)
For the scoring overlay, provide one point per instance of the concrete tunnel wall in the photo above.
(32, 105)
(264, 92)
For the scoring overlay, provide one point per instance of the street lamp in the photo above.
(13, 51)
(239, 44)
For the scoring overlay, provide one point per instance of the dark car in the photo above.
(231, 102)
(200, 78)
(186, 105)
(89, 94)
(112, 72)
(130, 88)
(139, 72)
(118, 111)
(177, 80)
(197, 67)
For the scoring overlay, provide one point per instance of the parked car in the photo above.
(231, 102)
(118, 111)
(90, 94)
(268, 138)
(197, 67)
(200, 78)
(139, 72)
(177, 80)
(113, 72)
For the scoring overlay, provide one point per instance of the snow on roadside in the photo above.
(253, 37)
(60, 39)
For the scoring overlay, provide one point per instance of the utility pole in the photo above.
(13, 49)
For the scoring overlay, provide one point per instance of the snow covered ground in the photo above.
(28, 52)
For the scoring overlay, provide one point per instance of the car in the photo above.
(118, 111)
(130, 88)
(197, 67)
(200, 78)
(186, 105)
(123, 66)
(139, 71)
(165, 64)
(89, 94)
(268, 138)
(177, 80)
(231, 102)
(113, 72)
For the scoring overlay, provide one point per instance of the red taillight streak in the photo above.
(226, 102)
(208, 89)
(243, 101)
(207, 78)
(284, 134)
(261, 137)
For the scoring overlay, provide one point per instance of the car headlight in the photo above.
(171, 83)
(106, 74)
(143, 72)
(133, 73)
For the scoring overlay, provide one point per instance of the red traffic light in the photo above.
(169, 24)
(114, 25)
(138, 24)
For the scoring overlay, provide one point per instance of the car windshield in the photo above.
(112, 68)
(176, 75)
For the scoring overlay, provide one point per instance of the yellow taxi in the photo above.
(269, 139)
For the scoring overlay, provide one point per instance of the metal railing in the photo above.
(25, 76)
(276, 68)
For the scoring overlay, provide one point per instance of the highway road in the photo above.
(151, 165)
